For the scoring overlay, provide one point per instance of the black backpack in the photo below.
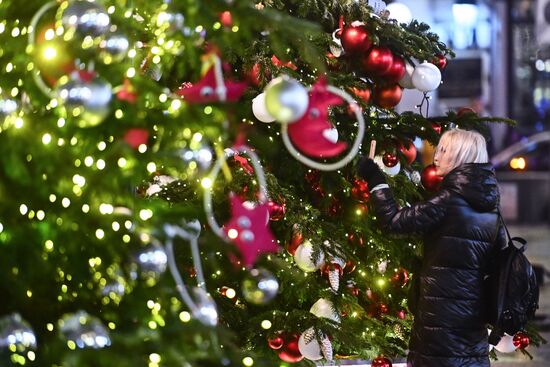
(513, 289)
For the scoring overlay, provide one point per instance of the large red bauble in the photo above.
(430, 180)
(290, 351)
(364, 94)
(381, 362)
(390, 159)
(396, 71)
(360, 190)
(136, 137)
(355, 39)
(407, 148)
(276, 210)
(378, 61)
(276, 342)
(440, 61)
(388, 97)
(521, 340)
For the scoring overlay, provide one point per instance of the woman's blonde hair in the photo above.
(464, 146)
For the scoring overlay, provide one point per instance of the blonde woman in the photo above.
(459, 227)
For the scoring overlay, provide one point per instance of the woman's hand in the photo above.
(370, 172)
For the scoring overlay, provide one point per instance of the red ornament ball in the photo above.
(390, 159)
(290, 351)
(440, 61)
(363, 94)
(388, 97)
(355, 39)
(400, 278)
(135, 137)
(402, 314)
(381, 362)
(436, 127)
(226, 19)
(360, 190)
(521, 340)
(276, 210)
(276, 342)
(429, 179)
(378, 61)
(396, 71)
(465, 111)
(407, 148)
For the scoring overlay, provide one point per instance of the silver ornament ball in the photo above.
(113, 48)
(85, 18)
(286, 99)
(84, 330)
(8, 108)
(16, 331)
(151, 263)
(260, 287)
(87, 101)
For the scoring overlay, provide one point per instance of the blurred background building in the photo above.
(502, 68)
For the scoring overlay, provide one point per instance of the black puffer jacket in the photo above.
(459, 225)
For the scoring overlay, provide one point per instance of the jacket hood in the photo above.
(476, 183)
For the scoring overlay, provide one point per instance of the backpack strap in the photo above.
(511, 241)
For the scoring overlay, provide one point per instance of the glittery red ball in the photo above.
(276, 342)
(290, 351)
(436, 127)
(440, 61)
(381, 362)
(276, 210)
(360, 190)
(408, 149)
(400, 278)
(521, 340)
(390, 159)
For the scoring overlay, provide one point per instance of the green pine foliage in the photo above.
(75, 208)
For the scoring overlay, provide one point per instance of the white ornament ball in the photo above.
(406, 79)
(311, 350)
(286, 99)
(382, 266)
(506, 344)
(259, 110)
(390, 171)
(426, 77)
(303, 257)
(325, 308)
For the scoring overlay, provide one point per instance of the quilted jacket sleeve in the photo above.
(418, 218)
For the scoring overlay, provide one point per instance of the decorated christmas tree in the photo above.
(177, 182)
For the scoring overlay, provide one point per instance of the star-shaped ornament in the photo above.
(249, 230)
(207, 90)
(314, 135)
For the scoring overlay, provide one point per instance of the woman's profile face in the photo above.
(442, 160)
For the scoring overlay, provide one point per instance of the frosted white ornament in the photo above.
(506, 344)
(304, 260)
(259, 109)
(426, 77)
(382, 266)
(406, 79)
(390, 171)
(325, 308)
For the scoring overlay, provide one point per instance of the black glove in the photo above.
(370, 172)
